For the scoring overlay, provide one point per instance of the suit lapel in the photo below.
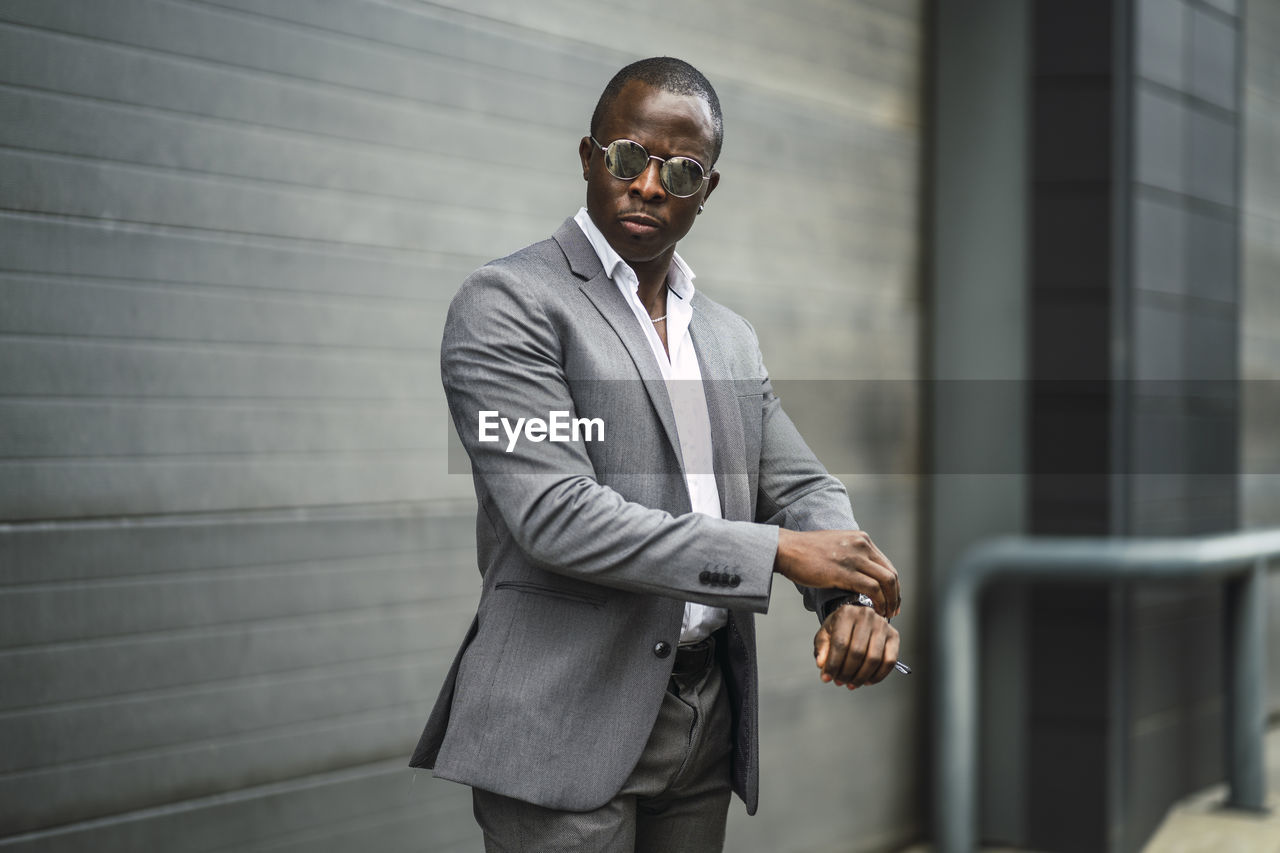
(728, 446)
(612, 305)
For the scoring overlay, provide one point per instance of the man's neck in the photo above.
(652, 278)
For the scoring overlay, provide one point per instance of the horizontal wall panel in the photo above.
(79, 732)
(257, 690)
(98, 249)
(66, 612)
(815, 31)
(80, 366)
(204, 34)
(61, 428)
(877, 79)
(257, 818)
(820, 37)
(44, 60)
(44, 305)
(89, 127)
(50, 184)
(97, 488)
(93, 551)
(430, 29)
(103, 668)
(40, 799)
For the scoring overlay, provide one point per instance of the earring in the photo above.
(699, 208)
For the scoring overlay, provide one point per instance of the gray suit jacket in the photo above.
(588, 549)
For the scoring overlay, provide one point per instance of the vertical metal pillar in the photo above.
(956, 713)
(1247, 651)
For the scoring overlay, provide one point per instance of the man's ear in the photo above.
(584, 154)
(712, 183)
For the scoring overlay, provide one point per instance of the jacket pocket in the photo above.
(551, 591)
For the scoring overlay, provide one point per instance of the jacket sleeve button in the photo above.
(705, 577)
(735, 580)
(662, 649)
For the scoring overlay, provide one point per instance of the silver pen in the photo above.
(865, 601)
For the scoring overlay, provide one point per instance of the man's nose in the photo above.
(648, 184)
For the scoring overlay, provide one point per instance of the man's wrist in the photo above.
(830, 606)
(783, 554)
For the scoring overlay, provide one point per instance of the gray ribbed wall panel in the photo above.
(233, 567)
(1260, 286)
(1138, 132)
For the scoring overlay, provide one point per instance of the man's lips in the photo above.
(639, 224)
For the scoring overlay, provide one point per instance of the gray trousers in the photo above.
(675, 801)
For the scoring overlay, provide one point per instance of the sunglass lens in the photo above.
(681, 176)
(625, 159)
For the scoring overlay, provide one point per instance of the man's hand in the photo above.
(842, 559)
(855, 646)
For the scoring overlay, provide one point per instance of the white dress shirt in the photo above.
(684, 386)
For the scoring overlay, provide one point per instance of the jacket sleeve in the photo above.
(501, 353)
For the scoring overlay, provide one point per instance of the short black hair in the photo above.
(670, 75)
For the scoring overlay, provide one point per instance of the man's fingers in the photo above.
(888, 580)
(856, 646)
(876, 581)
(857, 632)
(886, 577)
(871, 661)
(891, 644)
(839, 650)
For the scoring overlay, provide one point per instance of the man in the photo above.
(605, 696)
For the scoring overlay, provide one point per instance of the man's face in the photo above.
(639, 218)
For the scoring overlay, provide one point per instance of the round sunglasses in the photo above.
(626, 160)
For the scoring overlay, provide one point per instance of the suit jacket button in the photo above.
(735, 580)
(662, 649)
(705, 577)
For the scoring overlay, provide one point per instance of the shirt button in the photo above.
(662, 649)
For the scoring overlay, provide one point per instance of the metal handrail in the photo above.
(1237, 557)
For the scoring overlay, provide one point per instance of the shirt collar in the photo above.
(680, 279)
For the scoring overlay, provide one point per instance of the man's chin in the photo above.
(641, 249)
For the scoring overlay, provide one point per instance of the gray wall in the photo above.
(977, 306)
(1136, 272)
(1184, 324)
(1140, 213)
(233, 565)
(1260, 291)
